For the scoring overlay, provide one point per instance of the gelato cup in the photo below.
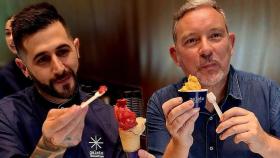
(197, 96)
(130, 128)
(130, 139)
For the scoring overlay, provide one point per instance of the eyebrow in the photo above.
(217, 29)
(62, 46)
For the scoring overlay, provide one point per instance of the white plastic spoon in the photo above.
(99, 93)
(212, 99)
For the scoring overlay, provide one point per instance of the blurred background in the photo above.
(125, 43)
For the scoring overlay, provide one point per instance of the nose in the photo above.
(206, 49)
(10, 38)
(57, 65)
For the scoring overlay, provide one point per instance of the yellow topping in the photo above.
(192, 84)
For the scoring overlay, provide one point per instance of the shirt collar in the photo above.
(233, 85)
(181, 83)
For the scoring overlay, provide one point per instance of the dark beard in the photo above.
(67, 93)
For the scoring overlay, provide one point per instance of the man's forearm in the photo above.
(271, 149)
(175, 149)
(46, 150)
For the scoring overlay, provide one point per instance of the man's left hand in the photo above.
(144, 154)
(246, 128)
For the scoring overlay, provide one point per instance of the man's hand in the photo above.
(245, 127)
(63, 127)
(144, 154)
(180, 118)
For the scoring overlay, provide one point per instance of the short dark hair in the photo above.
(190, 5)
(33, 19)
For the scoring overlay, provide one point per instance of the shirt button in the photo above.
(211, 148)
(211, 118)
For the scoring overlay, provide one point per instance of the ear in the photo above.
(22, 67)
(77, 46)
(232, 41)
(173, 54)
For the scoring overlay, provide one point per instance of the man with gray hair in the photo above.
(249, 125)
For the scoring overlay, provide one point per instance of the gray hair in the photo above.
(191, 5)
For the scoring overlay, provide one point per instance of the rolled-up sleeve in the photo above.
(157, 134)
(275, 110)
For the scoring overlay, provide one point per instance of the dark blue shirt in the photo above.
(22, 116)
(12, 80)
(245, 90)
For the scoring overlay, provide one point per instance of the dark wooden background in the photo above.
(125, 42)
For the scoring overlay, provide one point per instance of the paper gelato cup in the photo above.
(130, 139)
(197, 96)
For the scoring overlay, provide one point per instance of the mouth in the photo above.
(209, 66)
(63, 79)
(13, 46)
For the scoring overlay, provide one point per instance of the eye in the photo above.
(8, 33)
(42, 60)
(191, 41)
(63, 52)
(216, 36)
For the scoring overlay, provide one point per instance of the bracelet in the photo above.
(43, 153)
(46, 149)
(46, 143)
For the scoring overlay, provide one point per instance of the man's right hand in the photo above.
(180, 118)
(63, 127)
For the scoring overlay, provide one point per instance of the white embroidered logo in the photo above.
(96, 142)
(95, 145)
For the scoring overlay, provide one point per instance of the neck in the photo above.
(219, 90)
(52, 99)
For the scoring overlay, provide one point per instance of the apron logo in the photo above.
(95, 142)
(95, 147)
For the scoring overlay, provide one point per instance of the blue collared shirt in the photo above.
(252, 92)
